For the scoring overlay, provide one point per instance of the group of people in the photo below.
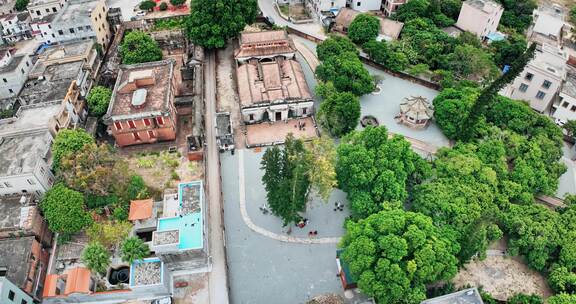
(338, 206)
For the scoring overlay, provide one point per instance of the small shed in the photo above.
(415, 112)
(140, 209)
(348, 282)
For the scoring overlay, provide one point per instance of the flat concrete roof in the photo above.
(66, 49)
(13, 64)
(466, 296)
(30, 118)
(76, 11)
(54, 86)
(10, 211)
(20, 153)
(14, 255)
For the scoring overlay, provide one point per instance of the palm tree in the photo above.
(133, 248)
(96, 257)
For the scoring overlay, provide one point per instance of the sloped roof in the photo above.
(140, 209)
(78, 281)
(390, 28)
(346, 16)
(417, 107)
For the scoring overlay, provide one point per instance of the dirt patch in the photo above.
(502, 277)
(196, 291)
(164, 170)
(298, 12)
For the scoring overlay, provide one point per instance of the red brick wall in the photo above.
(40, 261)
(164, 132)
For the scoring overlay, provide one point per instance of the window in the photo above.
(529, 76)
(146, 122)
(358, 3)
(31, 182)
(88, 27)
(11, 295)
(160, 120)
(251, 117)
(118, 125)
(54, 9)
(24, 302)
(573, 108)
(71, 31)
(131, 124)
(4, 79)
(22, 70)
(38, 13)
(80, 28)
(10, 90)
(28, 64)
(540, 95)
(523, 87)
(53, 36)
(136, 136)
(546, 84)
(49, 26)
(47, 10)
(304, 111)
(60, 32)
(565, 104)
(151, 134)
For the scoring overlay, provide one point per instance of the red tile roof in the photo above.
(78, 281)
(140, 209)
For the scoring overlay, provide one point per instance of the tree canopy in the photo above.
(63, 208)
(21, 5)
(109, 233)
(335, 45)
(67, 142)
(393, 254)
(364, 27)
(147, 5)
(347, 73)
(387, 55)
(98, 100)
(339, 111)
(321, 155)
(212, 22)
(134, 248)
(139, 47)
(96, 258)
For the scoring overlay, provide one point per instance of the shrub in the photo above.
(163, 6)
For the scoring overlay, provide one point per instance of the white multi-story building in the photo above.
(564, 108)
(547, 29)
(390, 6)
(320, 7)
(364, 5)
(39, 9)
(42, 29)
(82, 19)
(480, 17)
(7, 7)
(13, 73)
(15, 27)
(541, 79)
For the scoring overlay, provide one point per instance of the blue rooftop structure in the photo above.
(187, 226)
(495, 36)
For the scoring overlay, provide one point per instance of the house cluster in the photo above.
(326, 8)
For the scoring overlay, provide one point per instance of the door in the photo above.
(278, 116)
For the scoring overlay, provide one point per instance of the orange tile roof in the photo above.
(140, 209)
(50, 285)
(78, 281)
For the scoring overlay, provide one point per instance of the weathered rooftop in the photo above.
(20, 153)
(66, 49)
(264, 44)
(76, 11)
(13, 64)
(569, 87)
(41, 2)
(485, 5)
(54, 85)
(154, 77)
(265, 82)
(466, 296)
(30, 118)
(548, 25)
(14, 213)
(14, 255)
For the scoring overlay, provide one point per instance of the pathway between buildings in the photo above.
(217, 277)
(248, 221)
(312, 29)
(308, 55)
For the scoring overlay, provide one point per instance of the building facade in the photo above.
(14, 71)
(480, 17)
(321, 7)
(42, 29)
(82, 19)
(10, 293)
(39, 9)
(364, 5)
(389, 7)
(271, 82)
(16, 27)
(564, 108)
(142, 109)
(541, 79)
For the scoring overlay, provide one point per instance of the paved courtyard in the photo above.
(292, 272)
(276, 132)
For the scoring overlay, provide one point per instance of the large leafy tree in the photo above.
(562, 298)
(451, 108)
(517, 14)
(393, 254)
(64, 210)
(506, 51)
(364, 27)
(109, 233)
(347, 73)
(68, 142)
(139, 47)
(134, 248)
(212, 22)
(335, 45)
(375, 170)
(96, 258)
(339, 111)
(321, 154)
(385, 54)
(286, 179)
(472, 63)
(98, 100)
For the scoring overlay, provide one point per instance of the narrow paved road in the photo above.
(217, 278)
(268, 10)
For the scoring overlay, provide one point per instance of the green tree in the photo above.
(64, 210)
(451, 109)
(98, 100)
(561, 279)
(562, 298)
(177, 2)
(321, 155)
(412, 10)
(163, 6)
(570, 127)
(67, 142)
(393, 254)
(487, 95)
(376, 171)
(382, 53)
(108, 233)
(335, 45)
(339, 111)
(573, 15)
(139, 47)
(212, 22)
(286, 179)
(507, 50)
(347, 74)
(521, 298)
(364, 27)
(472, 63)
(451, 8)
(133, 249)
(21, 5)
(96, 258)
(147, 5)
(517, 14)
